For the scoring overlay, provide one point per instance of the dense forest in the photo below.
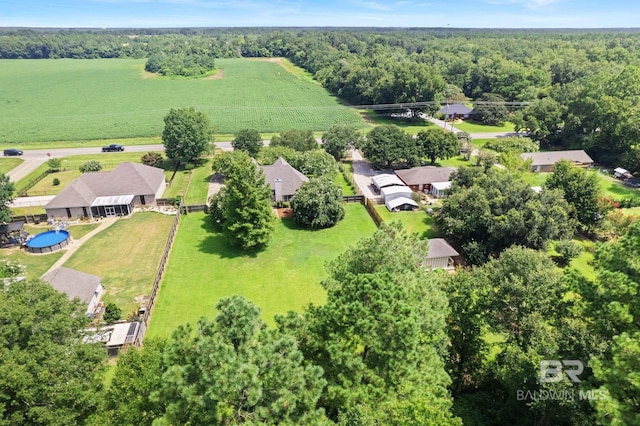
(581, 88)
(518, 338)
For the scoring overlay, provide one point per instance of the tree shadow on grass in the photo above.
(216, 243)
(289, 223)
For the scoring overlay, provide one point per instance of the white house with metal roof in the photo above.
(111, 193)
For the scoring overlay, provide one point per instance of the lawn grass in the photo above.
(456, 162)
(77, 231)
(633, 211)
(612, 187)
(583, 263)
(8, 164)
(285, 276)
(36, 264)
(418, 222)
(342, 183)
(22, 211)
(179, 184)
(199, 186)
(97, 99)
(480, 142)
(411, 127)
(126, 256)
(471, 126)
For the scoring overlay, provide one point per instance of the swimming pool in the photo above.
(48, 242)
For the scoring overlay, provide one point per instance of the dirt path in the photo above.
(76, 244)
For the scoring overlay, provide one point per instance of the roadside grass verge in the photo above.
(285, 276)
(126, 255)
(8, 164)
(471, 126)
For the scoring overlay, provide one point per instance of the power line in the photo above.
(409, 105)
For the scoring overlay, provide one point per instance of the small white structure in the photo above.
(392, 192)
(385, 180)
(439, 189)
(440, 255)
(621, 173)
(77, 285)
(401, 203)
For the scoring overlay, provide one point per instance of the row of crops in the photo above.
(53, 100)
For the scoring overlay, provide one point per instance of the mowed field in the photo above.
(73, 99)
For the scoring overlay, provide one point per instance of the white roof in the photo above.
(123, 333)
(621, 170)
(384, 180)
(392, 204)
(112, 200)
(537, 189)
(389, 190)
(441, 186)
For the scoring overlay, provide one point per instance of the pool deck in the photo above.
(75, 244)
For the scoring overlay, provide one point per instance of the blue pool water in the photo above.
(48, 239)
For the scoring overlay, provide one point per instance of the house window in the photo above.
(142, 201)
(68, 212)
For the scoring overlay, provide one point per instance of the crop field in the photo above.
(73, 99)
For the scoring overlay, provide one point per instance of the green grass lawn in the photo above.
(126, 256)
(8, 164)
(179, 184)
(418, 222)
(199, 186)
(612, 187)
(77, 231)
(285, 276)
(457, 161)
(37, 264)
(476, 127)
(96, 99)
(480, 142)
(342, 182)
(411, 127)
(634, 211)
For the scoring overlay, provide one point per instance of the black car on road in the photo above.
(12, 152)
(114, 147)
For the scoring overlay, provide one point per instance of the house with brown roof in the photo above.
(544, 161)
(440, 255)
(111, 193)
(283, 179)
(77, 285)
(422, 179)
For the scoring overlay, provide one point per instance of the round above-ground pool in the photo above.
(48, 242)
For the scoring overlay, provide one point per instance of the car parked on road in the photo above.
(12, 151)
(114, 147)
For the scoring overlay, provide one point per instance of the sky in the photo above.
(324, 13)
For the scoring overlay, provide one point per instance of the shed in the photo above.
(401, 203)
(77, 285)
(621, 173)
(440, 255)
(12, 234)
(392, 192)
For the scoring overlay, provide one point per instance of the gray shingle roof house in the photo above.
(421, 178)
(440, 255)
(544, 161)
(75, 284)
(283, 179)
(456, 111)
(112, 193)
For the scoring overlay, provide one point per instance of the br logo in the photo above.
(551, 370)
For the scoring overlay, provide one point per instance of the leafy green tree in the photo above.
(380, 335)
(248, 140)
(131, 398)
(54, 164)
(269, 154)
(47, 375)
(235, 370)
(543, 120)
(435, 143)
(512, 144)
(315, 163)
(318, 204)
(187, 134)
(582, 190)
(10, 269)
(112, 313)
(493, 113)
(567, 250)
(619, 400)
(7, 189)
(90, 166)
(298, 140)
(243, 209)
(153, 159)
(338, 138)
(496, 210)
(388, 145)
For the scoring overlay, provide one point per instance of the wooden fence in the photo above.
(30, 218)
(23, 190)
(158, 279)
(353, 198)
(370, 205)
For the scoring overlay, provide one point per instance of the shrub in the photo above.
(91, 166)
(55, 164)
(153, 159)
(112, 313)
(567, 250)
(516, 144)
(56, 181)
(189, 166)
